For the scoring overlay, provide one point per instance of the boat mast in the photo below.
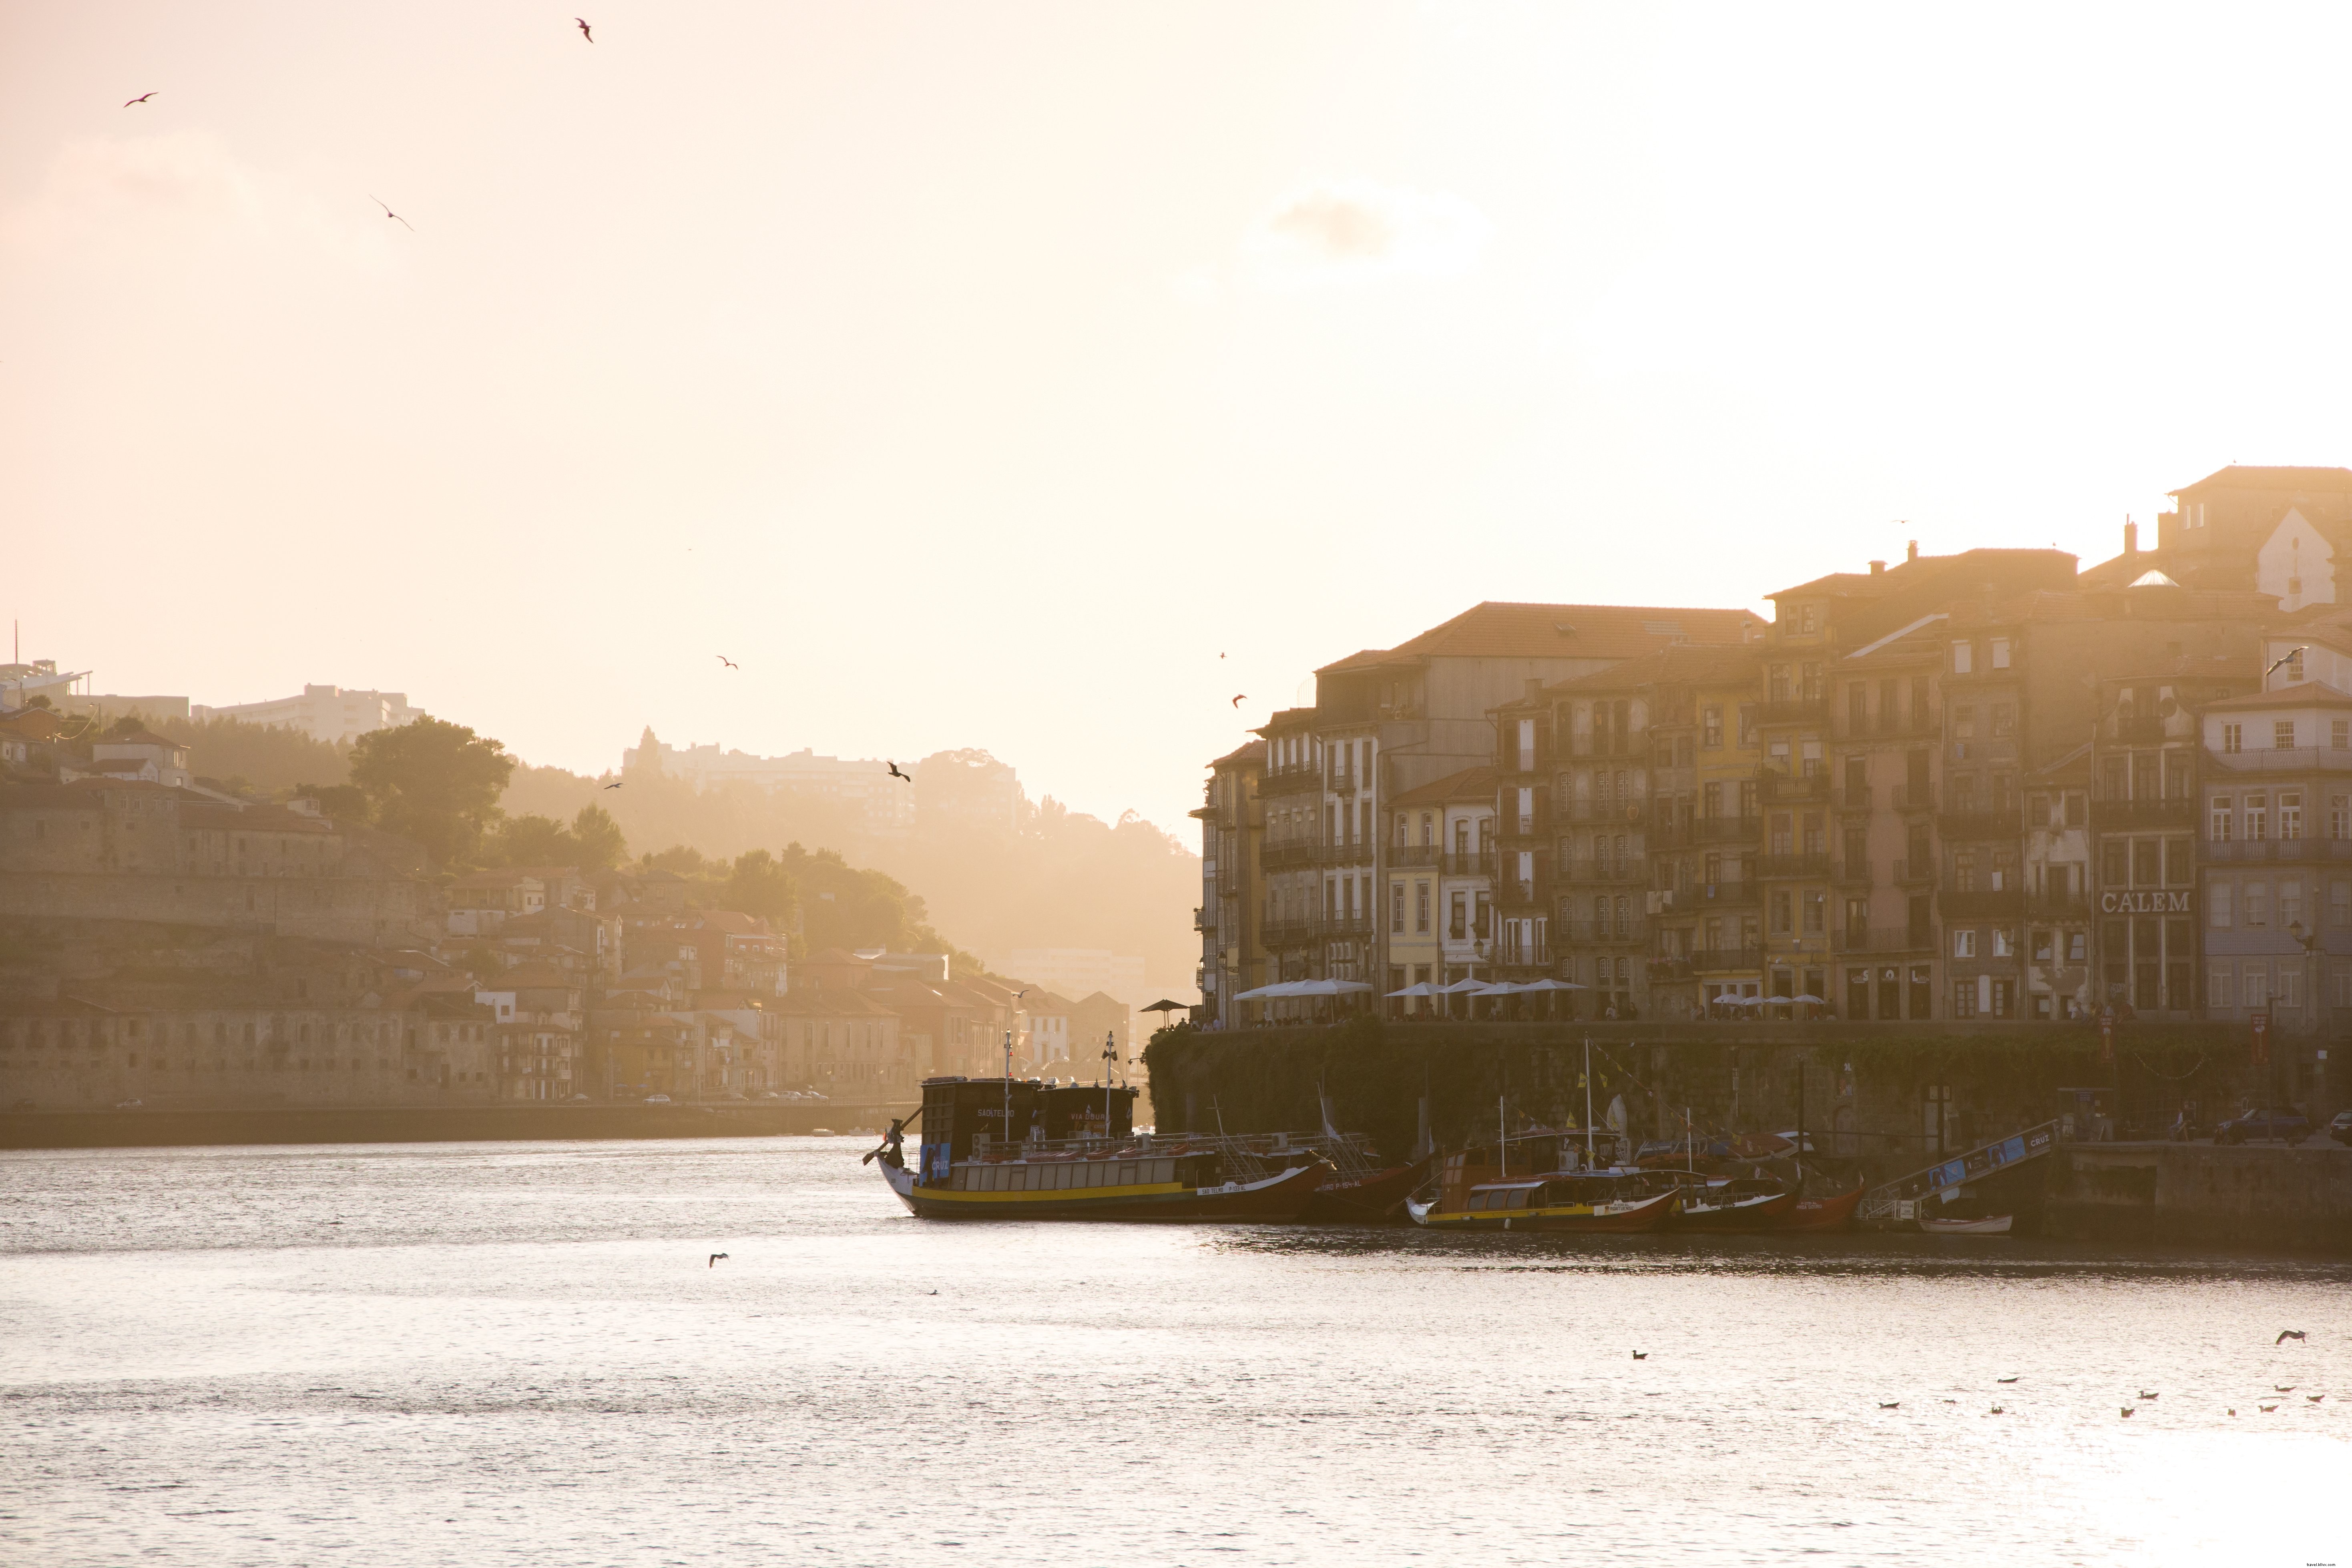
(1503, 1137)
(1588, 1102)
(1008, 1086)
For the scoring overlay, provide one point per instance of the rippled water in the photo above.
(487, 1353)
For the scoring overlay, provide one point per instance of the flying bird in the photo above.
(143, 98)
(390, 213)
(2286, 1334)
(615, 784)
(714, 1260)
(896, 775)
(584, 33)
(729, 662)
(1240, 699)
(2282, 659)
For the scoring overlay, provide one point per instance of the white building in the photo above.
(330, 713)
(885, 805)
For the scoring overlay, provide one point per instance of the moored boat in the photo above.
(1991, 1225)
(1741, 1205)
(1074, 1154)
(1367, 1199)
(1610, 1201)
(1834, 1213)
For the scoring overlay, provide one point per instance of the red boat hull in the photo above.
(1368, 1200)
(1822, 1214)
(1770, 1213)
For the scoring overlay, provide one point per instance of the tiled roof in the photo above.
(1692, 666)
(1470, 784)
(2301, 694)
(1248, 751)
(1499, 630)
(2253, 476)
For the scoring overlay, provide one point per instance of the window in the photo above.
(1396, 908)
(1420, 908)
(1963, 659)
(2290, 901)
(1711, 728)
(1747, 724)
(2179, 866)
(2340, 904)
(2258, 903)
(1458, 925)
(2004, 942)
(1964, 994)
(2219, 982)
(1964, 943)
(1783, 912)
(2001, 653)
(2256, 989)
(2114, 863)
(1815, 911)
(2233, 738)
(2078, 947)
(2218, 819)
(2282, 735)
(2004, 719)
(2144, 862)
(2339, 733)
(2290, 814)
(2258, 816)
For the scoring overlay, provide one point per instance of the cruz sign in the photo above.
(2144, 903)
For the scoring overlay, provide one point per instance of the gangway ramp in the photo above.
(1899, 1200)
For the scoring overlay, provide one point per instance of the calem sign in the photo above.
(2144, 903)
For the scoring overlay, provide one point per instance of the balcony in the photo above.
(1915, 797)
(1609, 811)
(1630, 746)
(1882, 939)
(1720, 959)
(1358, 852)
(1793, 789)
(1773, 868)
(1795, 710)
(2176, 812)
(1979, 903)
(1852, 800)
(2147, 729)
(1204, 921)
(1631, 869)
(1588, 933)
(1715, 896)
(2262, 849)
(2058, 906)
(1977, 825)
(1512, 763)
(1287, 931)
(1410, 857)
(1910, 873)
(1285, 853)
(1726, 829)
(2284, 760)
(1852, 873)
(1470, 863)
(1300, 779)
(1881, 728)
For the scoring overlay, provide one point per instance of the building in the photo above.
(330, 713)
(1440, 899)
(880, 803)
(1233, 827)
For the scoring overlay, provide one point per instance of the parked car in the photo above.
(657, 1100)
(2341, 1128)
(2284, 1123)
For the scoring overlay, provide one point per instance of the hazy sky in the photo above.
(976, 374)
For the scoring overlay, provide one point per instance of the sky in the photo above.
(1040, 377)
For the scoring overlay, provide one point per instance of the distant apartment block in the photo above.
(883, 805)
(329, 713)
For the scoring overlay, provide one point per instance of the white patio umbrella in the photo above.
(1550, 985)
(1461, 987)
(1420, 988)
(1269, 993)
(1328, 987)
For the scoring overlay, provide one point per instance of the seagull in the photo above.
(2234, 1411)
(2144, 1394)
(2313, 1398)
(2126, 1410)
(615, 784)
(1897, 1405)
(714, 1260)
(584, 28)
(145, 96)
(2005, 1379)
(1997, 1410)
(2282, 659)
(896, 775)
(2275, 1388)
(729, 662)
(2266, 1409)
(390, 213)
(1641, 1355)
(1239, 700)
(2286, 1334)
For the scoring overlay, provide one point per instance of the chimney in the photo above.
(1914, 553)
(2131, 537)
(1876, 567)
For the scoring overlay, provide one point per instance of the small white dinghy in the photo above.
(1995, 1225)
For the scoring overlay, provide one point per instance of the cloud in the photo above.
(1357, 230)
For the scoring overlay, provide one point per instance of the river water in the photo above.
(520, 1354)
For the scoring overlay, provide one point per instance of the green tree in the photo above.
(532, 841)
(601, 845)
(434, 781)
(759, 886)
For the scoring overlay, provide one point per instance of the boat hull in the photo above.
(1997, 1226)
(1647, 1214)
(1822, 1214)
(1277, 1200)
(1747, 1217)
(1368, 1200)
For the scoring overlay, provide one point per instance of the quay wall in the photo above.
(427, 1124)
(2253, 1194)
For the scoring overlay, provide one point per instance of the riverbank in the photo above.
(191, 1126)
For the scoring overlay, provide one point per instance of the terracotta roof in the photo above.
(2301, 694)
(2252, 477)
(1248, 751)
(142, 736)
(1470, 784)
(1689, 666)
(532, 976)
(1924, 573)
(1498, 630)
(834, 955)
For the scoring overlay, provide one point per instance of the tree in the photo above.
(434, 781)
(759, 886)
(601, 845)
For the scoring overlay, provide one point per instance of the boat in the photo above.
(1073, 1153)
(1370, 1198)
(1474, 1191)
(1743, 1205)
(1834, 1213)
(1991, 1225)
